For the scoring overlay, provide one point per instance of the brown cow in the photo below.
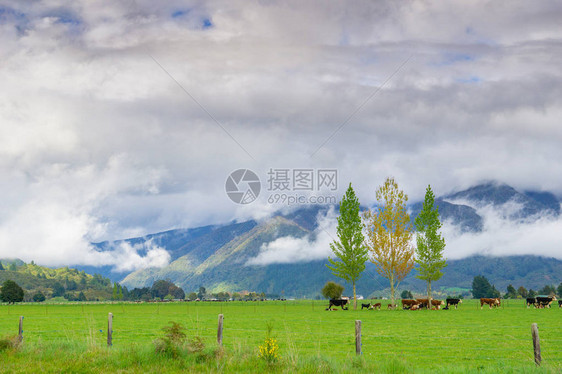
(409, 303)
(376, 306)
(495, 302)
(434, 302)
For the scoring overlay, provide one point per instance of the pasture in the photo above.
(310, 338)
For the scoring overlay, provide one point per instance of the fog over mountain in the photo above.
(503, 235)
(124, 119)
(491, 219)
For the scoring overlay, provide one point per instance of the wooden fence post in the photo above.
(358, 337)
(20, 331)
(110, 330)
(219, 330)
(536, 344)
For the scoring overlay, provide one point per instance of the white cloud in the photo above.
(97, 142)
(502, 236)
(126, 258)
(289, 249)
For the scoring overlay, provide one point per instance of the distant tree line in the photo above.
(481, 287)
(522, 292)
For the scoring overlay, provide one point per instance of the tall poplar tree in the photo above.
(389, 235)
(430, 243)
(350, 250)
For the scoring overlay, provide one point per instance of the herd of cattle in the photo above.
(542, 301)
(416, 304)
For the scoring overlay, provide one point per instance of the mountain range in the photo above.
(222, 257)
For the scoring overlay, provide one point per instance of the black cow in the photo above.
(368, 306)
(531, 301)
(544, 302)
(559, 303)
(338, 302)
(452, 302)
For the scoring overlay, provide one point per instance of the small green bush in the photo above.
(173, 341)
(9, 343)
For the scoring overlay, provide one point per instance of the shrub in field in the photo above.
(269, 350)
(9, 343)
(173, 341)
(195, 344)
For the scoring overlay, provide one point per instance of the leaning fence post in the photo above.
(219, 330)
(110, 329)
(20, 331)
(536, 344)
(358, 337)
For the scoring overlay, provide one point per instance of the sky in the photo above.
(120, 119)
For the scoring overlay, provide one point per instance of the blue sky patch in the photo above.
(453, 58)
(471, 79)
(180, 13)
(207, 23)
(10, 15)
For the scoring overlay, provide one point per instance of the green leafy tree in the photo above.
(81, 296)
(120, 293)
(162, 288)
(58, 289)
(223, 296)
(389, 234)
(1, 267)
(532, 293)
(547, 290)
(192, 296)
(406, 295)
(332, 290)
(39, 297)
(13, 267)
(115, 292)
(511, 292)
(11, 292)
(350, 250)
(177, 292)
(522, 291)
(481, 287)
(201, 293)
(559, 290)
(430, 243)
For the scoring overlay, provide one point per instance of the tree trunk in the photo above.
(429, 294)
(354, 298)
(392, 292)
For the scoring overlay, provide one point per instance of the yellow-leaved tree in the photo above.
(389, 233)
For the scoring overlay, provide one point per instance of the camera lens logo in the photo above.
(243, 186)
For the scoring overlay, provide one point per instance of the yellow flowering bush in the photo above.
(269, 350)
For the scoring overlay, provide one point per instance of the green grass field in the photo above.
(310, 338)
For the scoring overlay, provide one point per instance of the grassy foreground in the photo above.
(72, 338)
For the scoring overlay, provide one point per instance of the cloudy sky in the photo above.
(119, 119)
